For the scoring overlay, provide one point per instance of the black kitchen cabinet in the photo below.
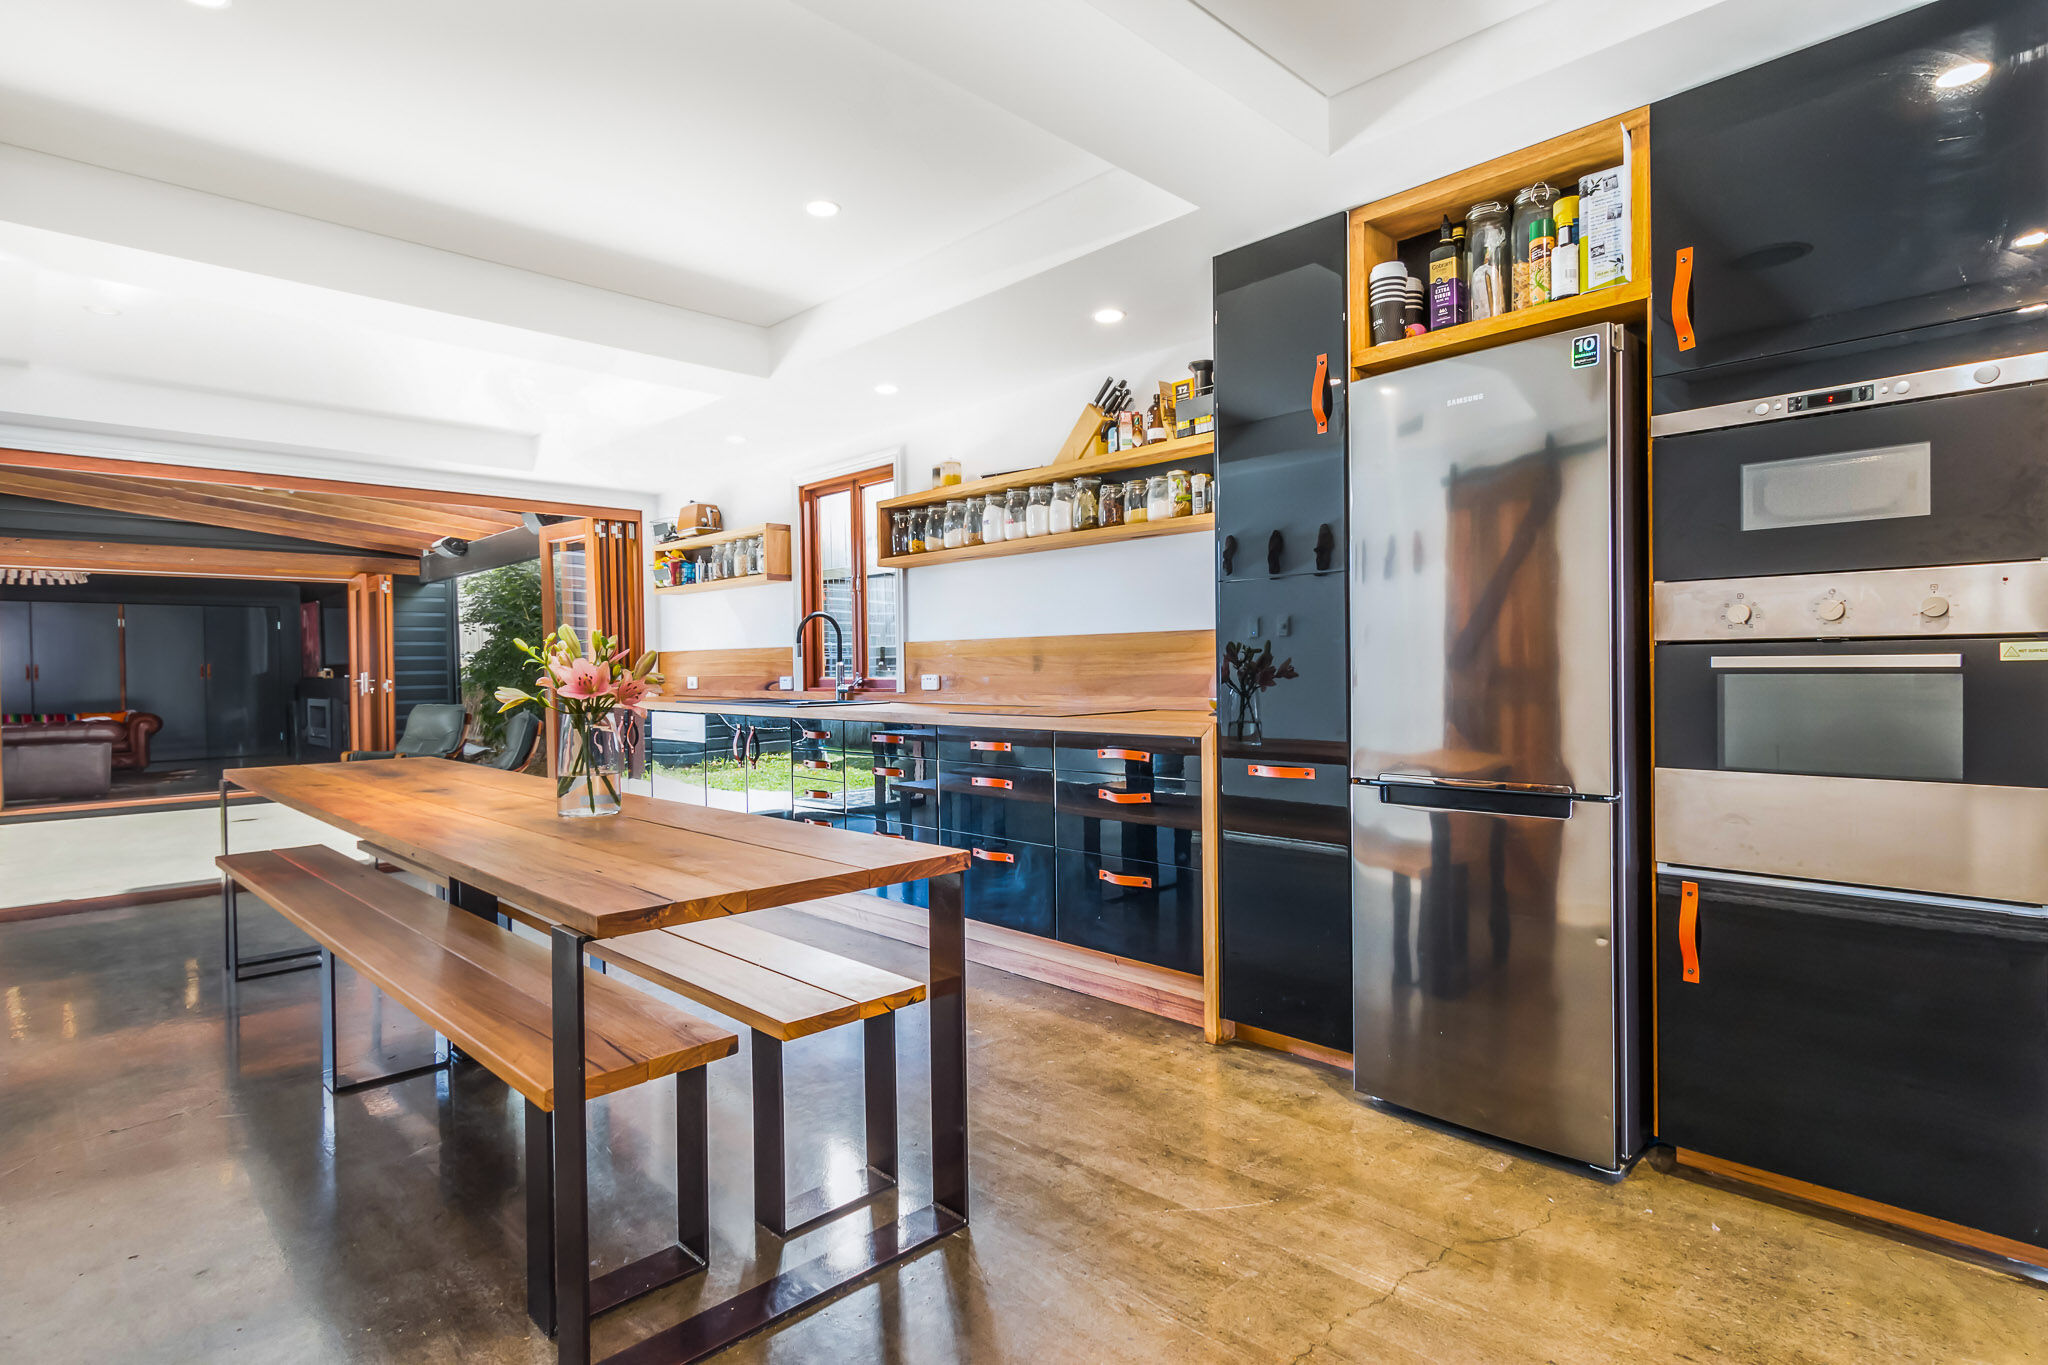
(1159, 821)
(1285, 937)
(1009, 882)
(1150, 912)
(1001, 802)
(996, 748)
(1885, 1045)
(1132, 758)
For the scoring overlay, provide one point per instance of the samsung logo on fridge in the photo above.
(1463, 399)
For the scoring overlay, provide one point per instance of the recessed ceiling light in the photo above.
(1962, 75)
(213, 4)
(821, 208)
(1106, 316)
(105, 310)
(885, 389)
(735, 439)
(2034, 238)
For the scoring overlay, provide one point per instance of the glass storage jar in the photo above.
(1038, 510)
(1134, 501)
(917, 530)
(899, 533)
(1535, 233)
(1060, 509)
(955, 534)
(1087, 502)
(1178, 484)
(1158, 498)
(1014, 504)
(1490, 265)
(1109, 504)
(992, 519)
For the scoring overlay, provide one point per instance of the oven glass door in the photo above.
(1940, 481)
(1970, 710)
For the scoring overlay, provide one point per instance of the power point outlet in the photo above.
(690, 683)
(928, 681)
(786, 683)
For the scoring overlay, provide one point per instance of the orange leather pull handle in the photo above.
(994, 746)
(1681, 300)
(1317, 402)
(1133, 755)
(888, 772)
(885, 739)
(817, 734)
(826, 823)
(1292, 774)
(988, 856)
(1001, 783)
(819, 794)
(1689, 931)
(817, 762)
(1125, 798)
(1118, 879)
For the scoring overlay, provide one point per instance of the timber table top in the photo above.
(656, 863)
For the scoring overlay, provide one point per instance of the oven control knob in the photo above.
(1831, 608)
(1934, 608)
(1737, 614)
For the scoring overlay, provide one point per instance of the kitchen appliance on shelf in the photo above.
(1872, 204)
(1284, 921)
(1851, 624)
(1496, 565)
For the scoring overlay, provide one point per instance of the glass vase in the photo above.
(590, 764)
(1244, 718)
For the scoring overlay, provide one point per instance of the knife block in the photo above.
(1080, 442)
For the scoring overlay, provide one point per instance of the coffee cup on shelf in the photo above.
(1387, 301)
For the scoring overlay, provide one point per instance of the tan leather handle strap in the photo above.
(1318, 402)
(1268, 770)
(1118, 879)
(1689, 931)
(1000, 783)
(990, 856)
(1681, 300)
(1125, 798)
(1131, 755)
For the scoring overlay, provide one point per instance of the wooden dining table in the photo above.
(495, 835)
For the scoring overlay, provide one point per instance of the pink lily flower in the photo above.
(633, 694)
(585, 680)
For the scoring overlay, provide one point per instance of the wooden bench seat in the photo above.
(483, 988)
(783, 990)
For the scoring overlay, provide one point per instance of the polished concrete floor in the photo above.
(176, 1188)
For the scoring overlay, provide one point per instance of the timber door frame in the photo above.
(372, 696)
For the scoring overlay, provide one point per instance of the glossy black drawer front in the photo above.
(889, 743)
(1132, 758)
(1145, 911)
(1279, 797)
(1285, 937)
(1009, 883)
(1002, 803)
(1160, 822)
(1866, 1044)
(996, 748)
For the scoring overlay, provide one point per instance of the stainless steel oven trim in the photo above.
(2009, 598)
(1875, 893)
(1800, 663)
(2001, 372)
(1947, 838)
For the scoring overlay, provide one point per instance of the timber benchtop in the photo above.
(655, 864)
(1068, 718)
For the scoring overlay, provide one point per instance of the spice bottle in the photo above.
(1564, 257)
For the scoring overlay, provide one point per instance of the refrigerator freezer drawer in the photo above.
(1487, 954)
(1285, 938)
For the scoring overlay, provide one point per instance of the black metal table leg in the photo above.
(540, 1218)
(771, 1193)
(878, 1069)
(572, 1207)
(948, 964)
(336, 1083)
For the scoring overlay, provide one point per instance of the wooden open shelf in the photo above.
(1378, 229)
(1064, 540)
(1156, 455)
(774, 557)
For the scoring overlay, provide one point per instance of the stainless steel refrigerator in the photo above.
(1496, 608)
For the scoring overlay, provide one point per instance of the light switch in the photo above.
(929, 681)
(690, 683)
(1286, 626)
(786, 683)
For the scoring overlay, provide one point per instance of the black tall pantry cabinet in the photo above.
(1285, 914)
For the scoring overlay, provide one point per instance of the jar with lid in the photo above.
(1038, 510)
(1109, 504)
(916, 532)
(970, 520)
(955, 533)
(1087, 502)
(1182, 488)
(759, 559)
(1015, 504)
(1490, 265)
(1535, 233)
(1158, 498)
(1134, 502)
(729, 559)
(1200, 488)
(949, 472)
(1060, 510)
(899, 533)
(990, 510)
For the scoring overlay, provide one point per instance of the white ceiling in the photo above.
(1334, 47)
(522, 240)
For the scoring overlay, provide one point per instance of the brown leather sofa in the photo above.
(128, 735)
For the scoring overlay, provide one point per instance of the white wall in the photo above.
(1160, 584)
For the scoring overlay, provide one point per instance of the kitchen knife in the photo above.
(1103, 392)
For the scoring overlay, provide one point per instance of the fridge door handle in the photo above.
(1453, 798)
(1474, 784)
